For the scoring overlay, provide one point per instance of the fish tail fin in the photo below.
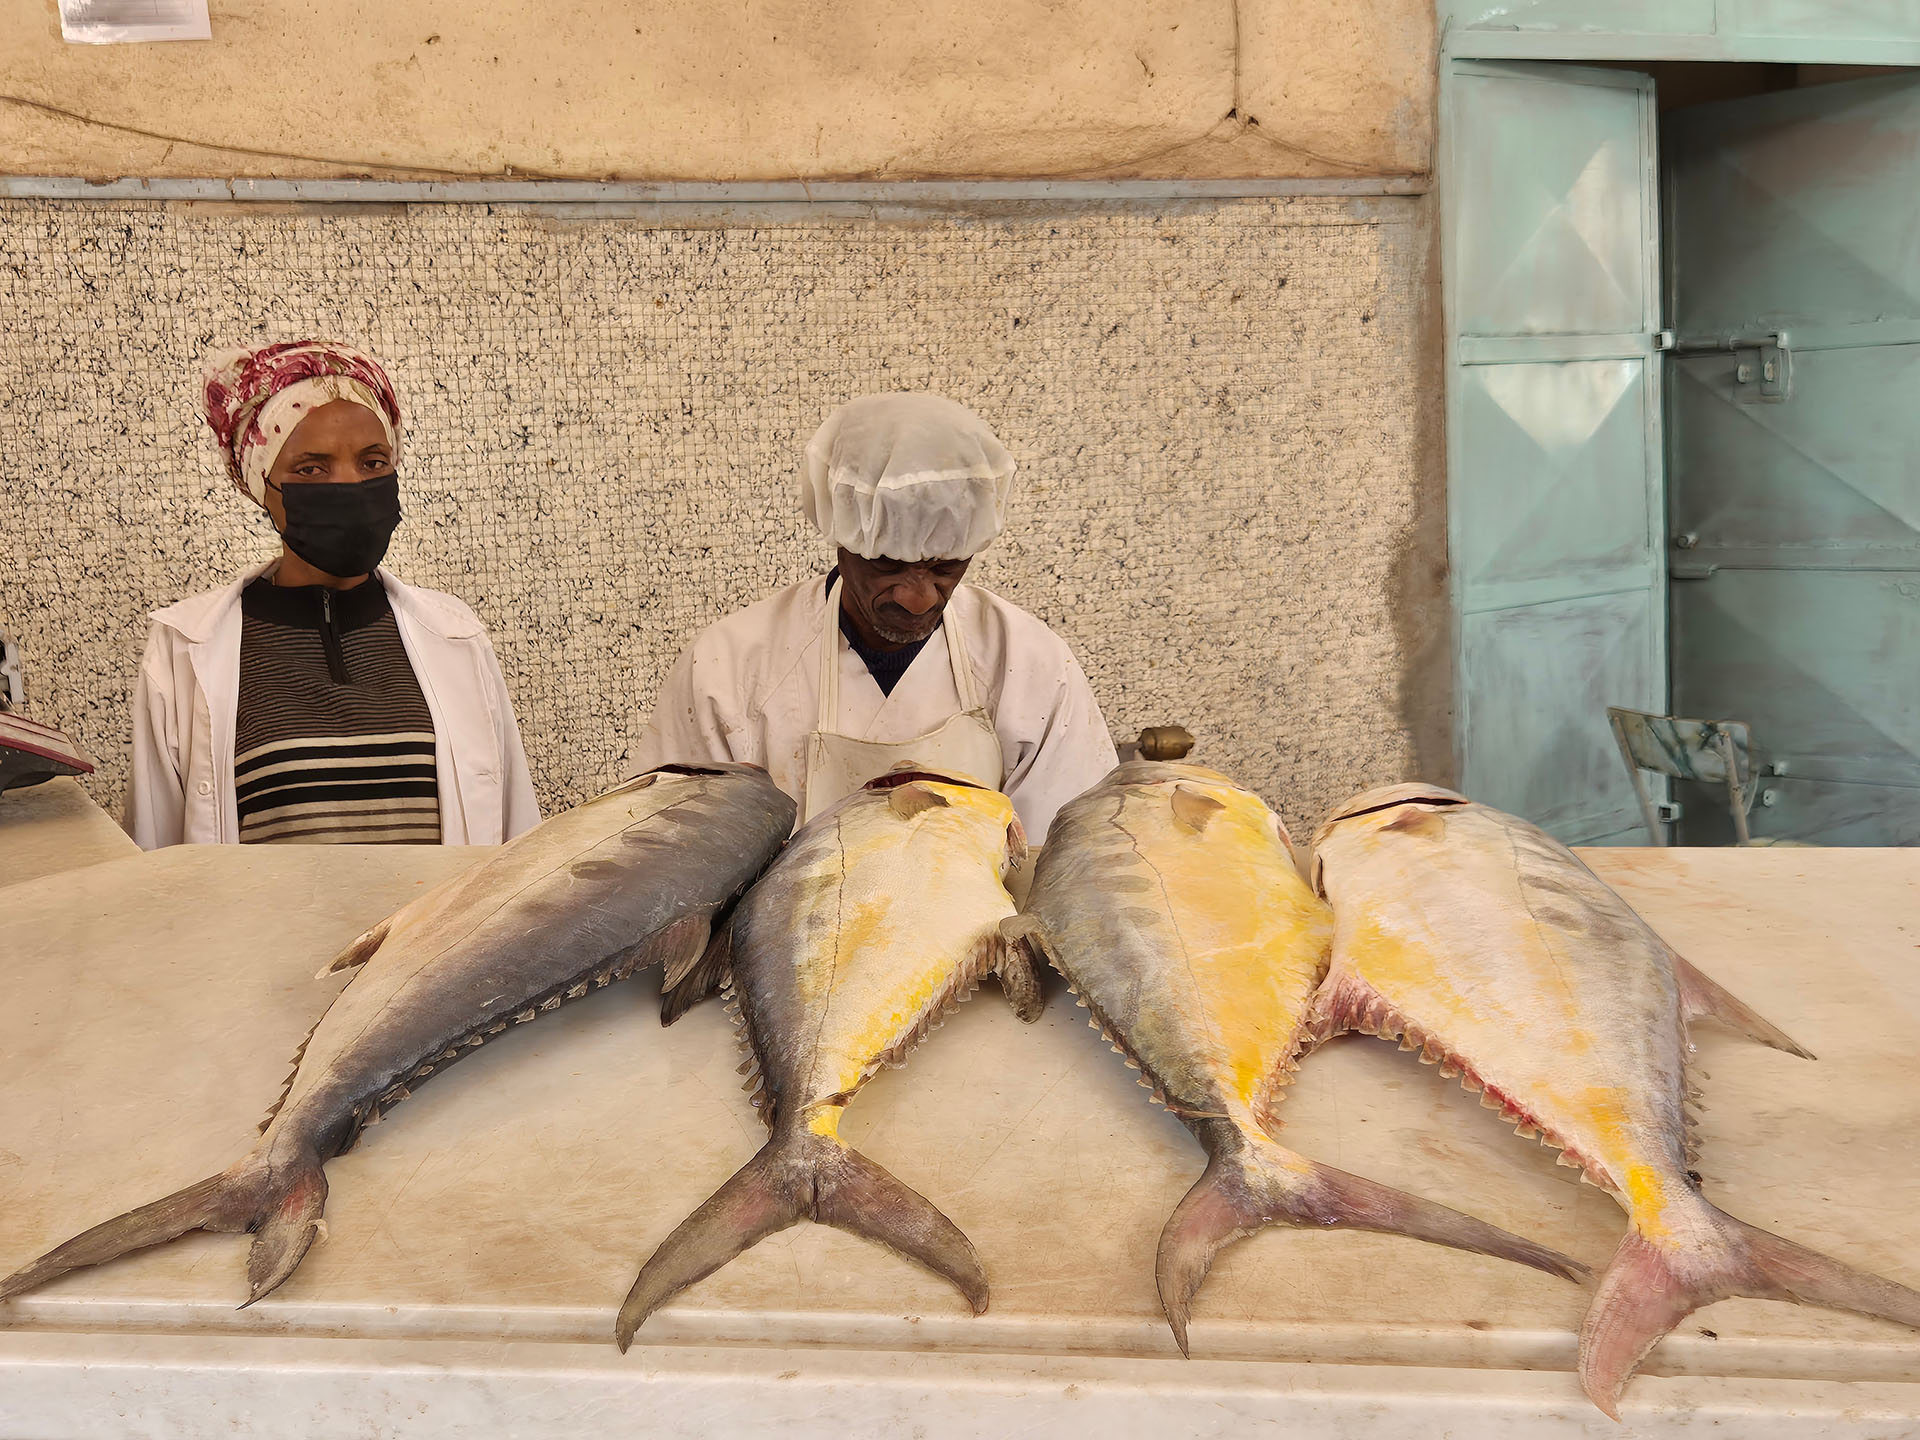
(1650, 1287)
(288, 1225)
(855, 1194)
(801, 1174)
(250, 1196)
(1700, 995)
(1249, 1186)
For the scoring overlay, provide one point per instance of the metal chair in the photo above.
(1713, 752)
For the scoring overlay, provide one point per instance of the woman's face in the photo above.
(338, 444)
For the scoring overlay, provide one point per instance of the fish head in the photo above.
(1402, 807)
(912, 788)
(1149, 772)
(705, 767)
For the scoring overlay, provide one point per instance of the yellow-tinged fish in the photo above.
(1484, 943)
(1170, 899)
(879, 917)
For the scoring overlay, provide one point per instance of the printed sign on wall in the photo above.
(121, 22)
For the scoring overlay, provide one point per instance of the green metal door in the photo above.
(1794, 242)
(1554, 450)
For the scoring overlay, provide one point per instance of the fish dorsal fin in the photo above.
(359, 952)
(1194, 810)
(1421, 824)
(909, 800)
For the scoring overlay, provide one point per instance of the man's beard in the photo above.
(906, 628)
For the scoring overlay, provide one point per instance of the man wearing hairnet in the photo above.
(891, 658)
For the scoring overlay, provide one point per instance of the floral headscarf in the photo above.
(255, 398)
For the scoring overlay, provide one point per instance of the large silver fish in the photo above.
(631, 878)
(1169, 898)
(1484, 943)
(879, 917)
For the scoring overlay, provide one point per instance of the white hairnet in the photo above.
(908, 477)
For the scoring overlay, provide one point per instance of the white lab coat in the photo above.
(747, 689)
(180, 789)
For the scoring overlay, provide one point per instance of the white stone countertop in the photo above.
(55, 826)
(483, 1236)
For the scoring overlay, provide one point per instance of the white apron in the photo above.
(838, 765)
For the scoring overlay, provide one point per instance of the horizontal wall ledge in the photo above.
(910, 193)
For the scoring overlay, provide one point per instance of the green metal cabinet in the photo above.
(1794, 248)
(1554, 443)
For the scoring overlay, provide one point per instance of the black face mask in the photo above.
(341, 529)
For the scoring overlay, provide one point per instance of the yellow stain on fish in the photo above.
(1477, 938)
(1171, 900)
(915, 902)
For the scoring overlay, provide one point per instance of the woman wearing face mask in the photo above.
(317, 699)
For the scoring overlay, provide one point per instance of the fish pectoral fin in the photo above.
(1194, 810)
(1701, 996)
(700, 974)
(910, 799)
(1018, 956)
(359, 952)
(1422, 824)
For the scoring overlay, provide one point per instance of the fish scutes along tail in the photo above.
(278, 1200)
(805, 1172)
(1655, 1282)
(1251, 1183)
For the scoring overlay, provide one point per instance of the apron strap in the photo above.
(829, 687)
(962, 662)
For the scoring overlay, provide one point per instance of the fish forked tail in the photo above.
(802, 1174)
(1253, 1183)
(281, 1203)
(1651, 1287)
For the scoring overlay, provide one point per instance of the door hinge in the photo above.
(1763, 373)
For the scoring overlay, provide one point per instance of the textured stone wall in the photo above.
(1215, 409)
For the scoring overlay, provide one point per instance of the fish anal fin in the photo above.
(1701, 996)
(688, 981)
(910, 799)
(358, 952)
(1194, 810)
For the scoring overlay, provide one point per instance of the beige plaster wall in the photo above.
(732, 89)
(1226, 499)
